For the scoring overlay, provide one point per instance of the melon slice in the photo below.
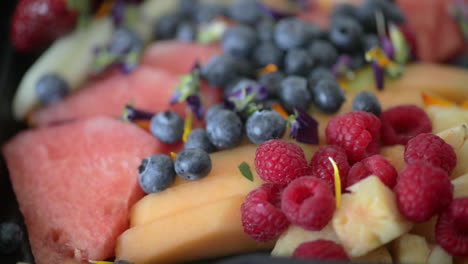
(211, 230)
(147, 88)
(178, 57)
(76, 183)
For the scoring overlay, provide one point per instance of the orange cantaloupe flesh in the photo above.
(207, 231)
(224, 180)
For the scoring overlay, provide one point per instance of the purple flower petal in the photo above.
(131, 113)
(118, 12)
(274, 13)
(304, 128)
(344, 62)
(387, 47)
(195, 105)
(378, 75)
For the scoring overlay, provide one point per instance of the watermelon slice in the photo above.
(148, 88)
(75, 184)
(178, 57)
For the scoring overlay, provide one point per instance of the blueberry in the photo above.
(51, 88)
(198, 138)
(186, 32)
(264, 125)
(213, 110)
(225, 129)
(122, 262)
(272, 81)
(367, 11)
(292, 33)
(298, 62)
(239, 40)
(328, 96)
(320, 73)
(344, 9)
(156, 173)
(167, 126)
(370, 40)
(193, 164)
(265, 30)
(220, 70)
(187, 7)
(367, 101)
(245, 11)
(346, 34)
(323, 53)
(267, 53)
(124, 40)
(11, 236)
(245, 68)
(166, 26)
(206, 12)
(294, 92)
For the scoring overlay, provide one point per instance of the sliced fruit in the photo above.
(296, 235)
(410, 248)
(439, 256)
(395, 154)
(460, 186)
(446, 117)
(457, 137)
(380, 255)
(75, 185)
(368, 217)
(211, 230)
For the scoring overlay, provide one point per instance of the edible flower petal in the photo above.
(304, 128)
(342, 67)
(194, 103)
(99, 262)
(400, 45)
(380, 62)
(246, 95)
(131, 114)
(211, 32)
(268, 68)
(379, 72)
(187, 126)
(434, 100)
(337, 180)
(189, 84)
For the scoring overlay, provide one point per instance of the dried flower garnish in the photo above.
(212, 31)
(268, 68)
(280, 109)
(304, 128)
(459, 10)
(245, 96)
(244, 169)
(380, 62)
(99, 262)
(187, 125)
(188, 90)
(282, 9)
(342, 67)
(104, 58)
(435, 100)
(337, 180)
(131, 114)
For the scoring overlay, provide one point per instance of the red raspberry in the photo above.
(321, 249)
(321, 167)
(308, 202)
(423, 191)
(433, 149)
(403, 122)
(376, 165)
(278, 161)
(357, 132)
(262, 217)
(452, 228)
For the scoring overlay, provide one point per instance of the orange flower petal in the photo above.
(434, 100)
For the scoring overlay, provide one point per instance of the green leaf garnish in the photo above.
(400, 45)
(244, 168)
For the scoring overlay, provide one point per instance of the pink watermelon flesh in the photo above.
(75, 184)
(147, 88)
(178, 57)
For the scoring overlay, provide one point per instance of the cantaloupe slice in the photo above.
(207, 231)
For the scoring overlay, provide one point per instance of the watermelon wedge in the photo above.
(75, 184)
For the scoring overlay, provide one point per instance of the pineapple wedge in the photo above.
(368, 217)
(439, 256)
(380, 255)
(460, 186)
(410, 248)
(457, 138)
(296, 235)
(443, 117)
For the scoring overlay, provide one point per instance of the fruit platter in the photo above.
(234, 131)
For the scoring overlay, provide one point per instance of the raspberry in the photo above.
(357, 132)
(423, 191)
(452, 228)
(433, 149)
(262, 217)
(321, 167)
(376, 165)
(403, 122)
(321, 249)
(278, 161)
(308, 202)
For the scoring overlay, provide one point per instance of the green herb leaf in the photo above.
(244, 168)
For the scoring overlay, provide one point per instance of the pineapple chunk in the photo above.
(460, 185)
(395, 155)
(443, 117)
(380, 255)
(410, 248)
(295, 235)
(457, 138)
(368, 217)
(439, 256)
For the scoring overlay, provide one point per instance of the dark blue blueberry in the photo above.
(11, 236)
(166, 26)
(239, 40)
(267, 53)
(245, 11)
(167, 126)
(313, 31)
(225, 129)
(323, 53)
(264, 125)
(51, 88)
(366, 13)
(328, 96)
(298, 62)
(193, 164)
(367, 101)
(294, 92)
(198, 138)
(206, 12)
(156, 173)
(370, 40)
(245, 68)
(272, 81)
(344, 9)
(346, 34)
(213, 110)
(187, 7)
(124, 40)
(265, 30)
(186, 32)
(292, 33)
(320, 73)
(220, 70)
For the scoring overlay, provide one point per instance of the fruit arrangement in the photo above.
(315, 129)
